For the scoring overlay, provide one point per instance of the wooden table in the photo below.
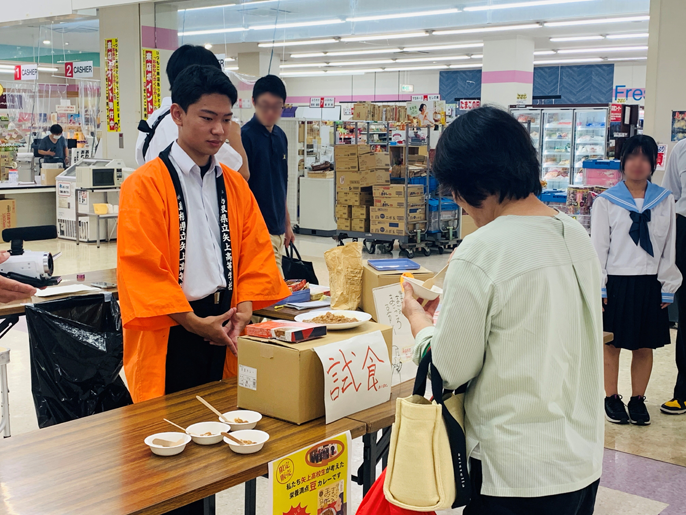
(18, 307)
(99, 464)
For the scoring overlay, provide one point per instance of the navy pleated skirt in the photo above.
(633, 312)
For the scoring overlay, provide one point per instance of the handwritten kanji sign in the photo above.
(357, 374)
(314, 480)
(151, 94)
(112, 84)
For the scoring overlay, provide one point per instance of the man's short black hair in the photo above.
(269, 84)
(637, 145)
(196, 80)
(487, 152)
(186, 55)
(56, 129)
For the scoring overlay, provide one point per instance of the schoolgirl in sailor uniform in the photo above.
(633, 229)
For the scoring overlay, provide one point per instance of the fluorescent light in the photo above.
(402, 15)
(360, 63)
(474, 65)
(230, 68)
(296, 24)
(601, 49)
(337, 72)
(416, 68)
(212, 31)
(303, 65)
(208, 46)
(535, 3)
(429, 59)
(570, 61)
(442, 47)
(227, 59)
(576, 38)
(208, 7)
(302, 74)
(627, 36)
(385, 36)
(476, 56)
(545, 52)
(314, 54)
(360, 52)
(627, 58)
(596, 21)
(298, 43)
(46, 42)
(497, 28)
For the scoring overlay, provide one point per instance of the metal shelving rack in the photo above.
(413, 240)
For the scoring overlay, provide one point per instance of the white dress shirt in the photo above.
(618, 253)
(204, 273)
(167, 131)
(521, 323)
(675, 176)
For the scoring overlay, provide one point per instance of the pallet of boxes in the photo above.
(358, 170)
(392, 214)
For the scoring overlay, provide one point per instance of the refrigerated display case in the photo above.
(590, 139)
(531, 119)
(556, 154)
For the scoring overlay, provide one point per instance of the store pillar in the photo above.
(666, 72)
(508, 71)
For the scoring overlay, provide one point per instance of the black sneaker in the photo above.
(615, 411)
(674, 407)
(638, 413)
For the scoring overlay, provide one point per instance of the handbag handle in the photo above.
(292, 248)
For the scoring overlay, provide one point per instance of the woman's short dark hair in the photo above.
(186, 55)
(56, 129)
(637, 145)
(487, 152)
(196, 80)
(269, 84)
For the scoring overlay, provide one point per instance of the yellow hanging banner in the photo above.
(314, 480)
(112, 83)
(151, 94)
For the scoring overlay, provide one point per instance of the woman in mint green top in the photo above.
(521, 324)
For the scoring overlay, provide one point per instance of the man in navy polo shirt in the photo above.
(267, 149)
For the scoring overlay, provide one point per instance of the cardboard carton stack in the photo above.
(358, 169)
(392, 214)
(379, 113)
(6, 163)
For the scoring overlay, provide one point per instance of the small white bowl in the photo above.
(215, 428)
(172, 437)
(420, 292)
(251, 434)
(252, 417)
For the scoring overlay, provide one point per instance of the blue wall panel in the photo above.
(459, 84)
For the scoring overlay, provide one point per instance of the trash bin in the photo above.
(77, 351)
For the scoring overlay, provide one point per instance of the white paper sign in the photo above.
(388, 301)
(357, 374)
(65, 109)
(62, 290)
(79, 69)
(247, 377)
(26, 72)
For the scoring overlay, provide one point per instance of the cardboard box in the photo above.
(346, 164)
(398, 191)
(329, 174)
(348, 181)
(412, 202)
(343, 211)
(48, 175)
(343, 224)
(366, 162)
(355, 198)
(372, 278)
(8, 214)
(383, 160)
(363, 149)
(286, 380)
(340, 151)
(360, 212)
(359, 225)
(467, 226)
(394, 228)
(397, 214)
(381, 177)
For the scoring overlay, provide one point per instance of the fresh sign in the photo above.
(624, 94)
(78, 70)
(26, 72)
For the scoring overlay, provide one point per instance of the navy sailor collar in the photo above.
(621, 196)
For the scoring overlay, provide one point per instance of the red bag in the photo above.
(375, 503)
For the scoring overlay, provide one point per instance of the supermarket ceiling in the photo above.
(328, 31)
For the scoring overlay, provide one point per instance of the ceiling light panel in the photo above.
(596, 21)
(473, 65)
(417, 68)
(627, 36)
(576, 38)
(303, 65)
(360, 63)
(298, 43)
(533, 3)
(347, 52)
(351, 39)
(496, 28)
(402, 15)
(627, 58)
(442, 47)
(570, 61)
(601, 50)
(435, 58)
(297, 24)
(545, 52)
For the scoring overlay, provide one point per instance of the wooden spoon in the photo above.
(429, 283)
(181, 428)
(221, 417)
(233, 438)
(166, 443)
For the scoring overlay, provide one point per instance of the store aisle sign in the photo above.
(468, 105)
(314, 480)
(623, 94)
(78, 70)
(152, 86)
(357, 375)
(420, 98)
(616, 113)
(406, 88)
(112, 84)
(26, 72)
(322, 102)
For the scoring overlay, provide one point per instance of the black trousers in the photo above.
(581, 502)
(191, 361)
(680, 388)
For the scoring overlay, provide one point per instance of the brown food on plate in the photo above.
(248, 442)
(209, 433)
(240, 421)
(331, 318)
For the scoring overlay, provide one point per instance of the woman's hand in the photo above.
(419, 317)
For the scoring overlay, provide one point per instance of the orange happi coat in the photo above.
(148, 268)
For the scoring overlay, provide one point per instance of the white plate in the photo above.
(216, 428)
(420, 292)
(170, 436)
(360, 316)
(253, 435)
(252, 417)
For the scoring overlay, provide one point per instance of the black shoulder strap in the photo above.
(150, 131)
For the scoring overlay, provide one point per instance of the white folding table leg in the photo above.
(4, 393)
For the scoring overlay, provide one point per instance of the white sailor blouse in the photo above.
(633, 239)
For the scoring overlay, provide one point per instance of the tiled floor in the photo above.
(644, 469)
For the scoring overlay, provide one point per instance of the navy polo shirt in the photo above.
(268, 162)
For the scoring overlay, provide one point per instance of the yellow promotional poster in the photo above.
(112, 83)
(314, 480)
(151, 93)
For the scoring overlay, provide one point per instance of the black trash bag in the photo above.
(296, 268)
(77, 351)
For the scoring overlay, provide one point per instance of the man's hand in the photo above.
(238, 322)
(664, 305)
(289, 237)
(210, 328)
(10, 290)
(418, 316)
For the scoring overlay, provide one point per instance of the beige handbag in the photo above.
(427, 461)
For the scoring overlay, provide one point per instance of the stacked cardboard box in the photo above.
(392, 214)
(379, 113)
(6, 163)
